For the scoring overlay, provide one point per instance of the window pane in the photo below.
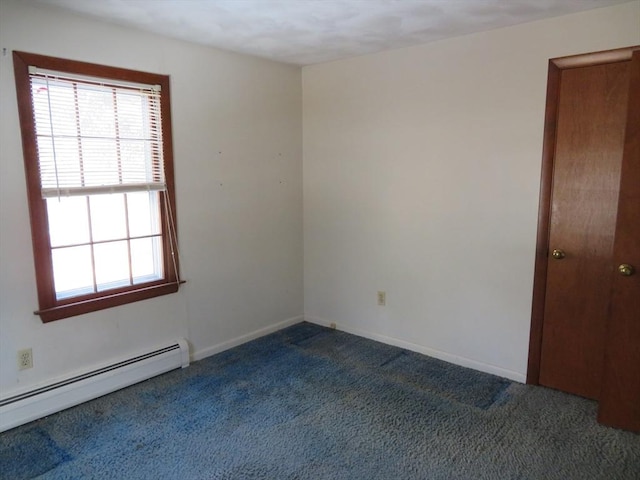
(63, 108)
(144, 213)
(130, 115)
(112, 265)
(66, 164)
(72, 271)
(40, 96)
(146, 259)
(108, 219)
(59, 162)
(100, 161)
(96, 112)
(68, 221)
(138, 164)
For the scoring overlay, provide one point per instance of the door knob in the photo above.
(626, 270)
(558, 254)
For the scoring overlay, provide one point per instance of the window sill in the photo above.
(107, 301)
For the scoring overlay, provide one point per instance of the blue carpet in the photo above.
(312, 403)
(33, 443)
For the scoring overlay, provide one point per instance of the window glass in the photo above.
(143, 213)
(144, 255)
(130, 117)
(72, 271)
(108, 219)
(68, 221)
(134, 154)
(60, 106)
(96, 113)
(40, 98)
(100, 161)
(112, 265)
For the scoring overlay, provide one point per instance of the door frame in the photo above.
(556, 66)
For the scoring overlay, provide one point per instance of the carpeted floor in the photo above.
(312, 403)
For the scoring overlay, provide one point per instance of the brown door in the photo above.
(592, 114)
(587, 106)
(620, 395)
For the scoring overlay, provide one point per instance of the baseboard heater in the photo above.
(38, 402)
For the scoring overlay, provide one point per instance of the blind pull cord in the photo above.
(53, 138)
(173, 236)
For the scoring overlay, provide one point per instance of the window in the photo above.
(98, 161)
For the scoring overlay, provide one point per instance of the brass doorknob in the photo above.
(626, 270)
(558, 254)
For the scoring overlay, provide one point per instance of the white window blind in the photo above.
(96, 136)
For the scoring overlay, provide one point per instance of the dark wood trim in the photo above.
(172, 264)
(595, 58)
(37, 208)
(556, 66)
(90, 69)
(106, 301)
(544, 214)
(49, 307)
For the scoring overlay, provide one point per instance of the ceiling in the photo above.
(304, 32)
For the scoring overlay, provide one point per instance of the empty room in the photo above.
(320, 239)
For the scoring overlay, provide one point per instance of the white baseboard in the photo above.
(20, 407)
(431, 352)
(234, 342)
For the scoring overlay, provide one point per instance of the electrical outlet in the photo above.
(25, 359)
(332, 325)
(382, 298)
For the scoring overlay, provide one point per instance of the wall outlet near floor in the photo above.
(332, 325)
(382, 298)
(25, 359)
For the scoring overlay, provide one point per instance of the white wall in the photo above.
(421, 178)
(237, 148)
(421, 171)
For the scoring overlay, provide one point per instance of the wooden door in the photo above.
(586, 116)
(589, 141)
(620, 395)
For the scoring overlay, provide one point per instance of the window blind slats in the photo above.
(88, 79)
(96, 137)
(97, 190)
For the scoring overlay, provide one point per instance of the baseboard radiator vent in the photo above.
(40, 402)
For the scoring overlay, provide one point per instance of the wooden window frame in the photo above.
(50, 308)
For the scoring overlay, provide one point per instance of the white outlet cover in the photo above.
(25, 359)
